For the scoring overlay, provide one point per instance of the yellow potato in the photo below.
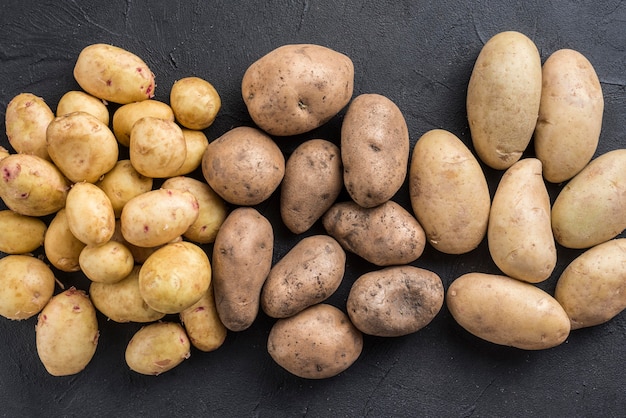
(157, 147)
(89, 214)
(202, 323)
(125, 117)
(106, 263)
(61, 247)
(157, 348)
(4, 153)
(27, 117)
(123, 183)
(20, 234)
(196, 143)
(79, 101)
(195, 102)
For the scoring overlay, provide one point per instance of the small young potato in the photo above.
(123, 183)
(308, 274)
(113, 74)
(384, 235)
(312, 182)
(27, 117)
(121, 301)
(81, 146)
(570, 115)
(296, 88)
(157, 147)
(157, 217)
(67, 333)
(157, 348)
(27, 286)
(589, 210)
(503, 98)
(374, 149)
(202, 323)
(125, 117)
(507, 311)
(395, 301)
(212, 209)
(317, 343)
(61, 247)
(77, 101)
(244, 166)
(195, 102)
(519, 234)
(196, 143)
(140, 254)
(32, 186)
(592, 288)
(242, 259)
(20, 234)
(175, 277)
(89, 214)
(106, 263)
(449, 192)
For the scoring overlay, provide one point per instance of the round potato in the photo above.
(297, 88)
(27, 117)
(196, 143)
(125, 117)
(79, 101)
(61, 247)
(157, 147)
(202, 323)
(317, 343)
(157, 348)
(106, 263)
(20, 234)
(89, 214)
(195, 102)
(123, 183)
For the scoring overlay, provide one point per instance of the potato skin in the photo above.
(20, 234)
(507, 311)
(157, 348)
(374, 149)
(157, 147)
(395, 301)
(503, 98)
(195, 102)
(27, 117)
(296, 88)
(202, 323)
(317, 343)
(90, 214)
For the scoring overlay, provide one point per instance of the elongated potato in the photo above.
(27, 117)
(20, 234)
(90, 214)
(125, 117)
(61, 247)
(123, 183)
(157, 147)
(157, 348)
(79, 101)
(202, 323)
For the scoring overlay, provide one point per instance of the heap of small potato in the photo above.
(140, 245)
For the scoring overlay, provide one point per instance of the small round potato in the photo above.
(157, 348)
(202, 323)
(123, 183)
(196, 143)
(195, 102)
(20, 234)
(90, 214)
(106, 263)
(317, 343)
(77, 101)
(27, 117)
(61, 247)
(125, 117)
(157, 147)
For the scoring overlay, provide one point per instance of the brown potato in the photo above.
(61, 247)
(90, 214)
(195, 102)
(79, 101)
(157, 348)
(202, 323)
(157, 147)
(123, 183)
(125, 117)
(27, 117)
(20, 234)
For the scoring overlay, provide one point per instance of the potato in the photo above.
(592, 288)
(507, 311)
(296, 88)
(61, 247)
(503, 98)
(81, 146)
(385, 235)
(125, 117)
(140, 254)
(106, 263)
(242, 259)
(570, 115)
(520, 233)
(113, 74)
(27, 117)
(212, 209)
(27, 286)
(89, 214)
(244, 166)
(308, 274)
(4, 153)
(395, 301)
(79, 101)
(317, 343)
(121, 301)
(67, 333)
(123, 183)
(449, 192)
(589, 210)
(312, 182)
(157, 348)
(157, 217)
(195, 102)
(157, 147)
(20, 234)
(32, 186)
(175, 277)
(202, 323)
(374, 149)
(196, 143)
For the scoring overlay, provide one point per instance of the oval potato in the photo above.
(20, 234)
(157, 147)
(157, 348)
(79, 101)
(26, 118)
(196, 144)
(195, 102)
(202, 323)
(125, 117)
(90, 214)
(122, 183)
(61, 247)
(106, 263)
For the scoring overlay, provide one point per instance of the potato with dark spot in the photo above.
(20, 234)
(157, 348)
(27, 117)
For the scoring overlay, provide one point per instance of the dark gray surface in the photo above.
(420, 55)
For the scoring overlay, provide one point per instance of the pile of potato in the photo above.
(141, 245)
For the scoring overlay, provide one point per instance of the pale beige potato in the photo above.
(20, 234)
(122, 183)
(242, 259)
(202, 323)
(503, 98)
(79, 101)
(157, 147)
(519, 234)
(27, 117)
(157, 217)
(157, 348)
(317, 343)
(374, 149)
(27, 286)
(81, 146)
(61, 247)
(32, 186)
(121, 301)
(140, 254)
(449, 192)
(592, 288)
(384, 235)
(4, 153)
(296, 88)
(570, 115)
(196, 143)
(90, 214)
(589, 210)
(195, 102)
(67, 333)
(106, 263)
(308, 274)
(113, 74)
(125, 117)
(507, 311)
